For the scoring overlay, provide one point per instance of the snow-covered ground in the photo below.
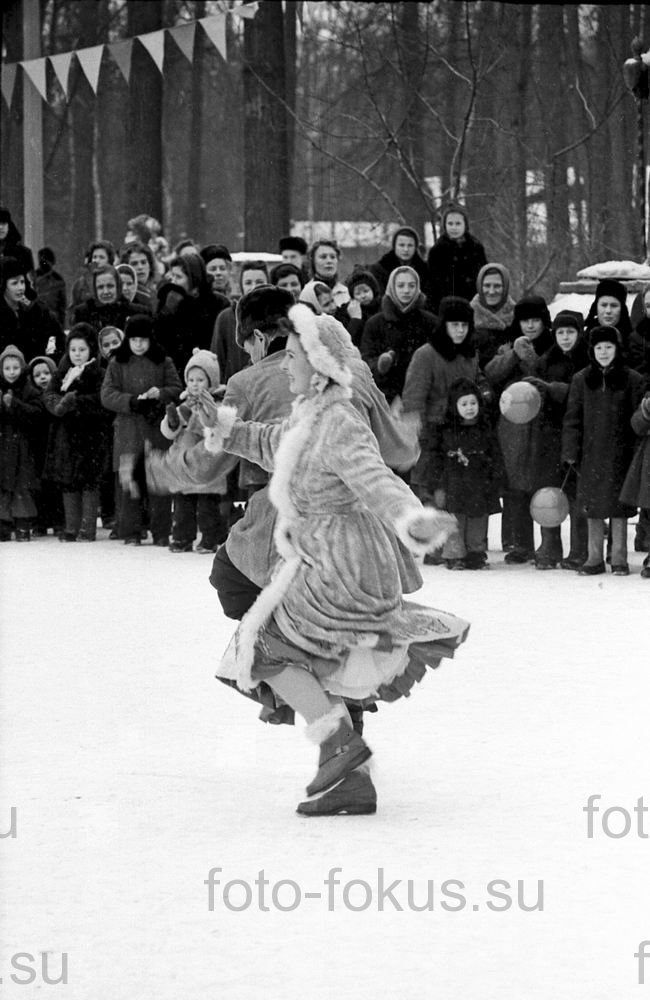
(129, 773)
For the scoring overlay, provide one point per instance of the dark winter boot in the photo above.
(355, 795)
(23, 533)
(89, 511)
(341, 749)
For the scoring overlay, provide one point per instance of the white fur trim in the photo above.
(213, 440)
(227, 416)
(319, 356)
(440, 523)
(214, 437)
(321, 729)
(257, 616)
(166, 430)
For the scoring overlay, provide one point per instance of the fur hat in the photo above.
(46, 254)
(207, 362)
(326, 343)
(83, 331)
(42, 359)
(604, 335)
(455, 309)
(567, 317)
(5, 215)
(11, 351)
(10, 268)
(612, 288)
(293, 243)
(139, 325)
(532, 307)
(261, 309)
(215, 251)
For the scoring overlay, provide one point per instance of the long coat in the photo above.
(19, 425)
(520, 443)
(338, 587)
(123, 382)
(468, 466)
(453, 267)
(597, 434)
(636, 488)
(401, 332)
(76, 454)
(30, 329)
(556, 369)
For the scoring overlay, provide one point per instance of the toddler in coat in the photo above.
(20, 415)
(183, 426)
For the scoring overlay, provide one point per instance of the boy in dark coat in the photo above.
(20, 414)
(597, 438)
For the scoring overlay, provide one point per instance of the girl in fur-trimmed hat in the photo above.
(332, 623)
(200, 508)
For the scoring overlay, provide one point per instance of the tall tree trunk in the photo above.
(11, 147)
(144, 177)
(266, 188)
(410, 137)
(195, 205)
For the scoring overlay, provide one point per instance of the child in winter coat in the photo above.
(184, 428)
(75, 454)
(636, 488)
(139, 383)
(639, 359)
(598, 440)
(527, 339)
(449, 354)
(365, 301)
(20, 415)
(49, 503)
(399, 328)
(108, 340)
(466, 474)
(554, 372)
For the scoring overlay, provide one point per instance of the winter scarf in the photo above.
(502, 316)
(415, 301)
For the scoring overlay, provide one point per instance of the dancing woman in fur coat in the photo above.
(332, 622)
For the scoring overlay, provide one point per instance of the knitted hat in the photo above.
(10, 268)
(326, 343)
(11, 351)
(612, 288)
(261, 309)
(453, 308)
(360, 276)
(406, 231)
(215, 251)
(207, 362)
(42, 359)
(604, 335)
(139, 325)
(532, 307)
(293, 243)
(567, 317)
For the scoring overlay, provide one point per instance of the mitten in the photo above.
(173, 420)
(7, 398)
(66, 404)
(185, 413)
(525, 352)
(385, 362)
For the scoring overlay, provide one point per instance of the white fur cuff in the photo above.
(321, 729)
(432, 528)
(215, 436)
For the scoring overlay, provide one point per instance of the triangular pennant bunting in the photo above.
(35, 69)
(90, 61)
(8, 81)
(183, 35)
(215, 29)
(154, 43)
(61, 66)
(121, 53)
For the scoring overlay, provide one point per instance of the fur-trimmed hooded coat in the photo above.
(76, 452)
(339, 584)
(598, 436)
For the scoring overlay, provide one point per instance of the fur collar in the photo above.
(615, 377)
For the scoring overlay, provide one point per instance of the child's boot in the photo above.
(341, 749)
(354, 795)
